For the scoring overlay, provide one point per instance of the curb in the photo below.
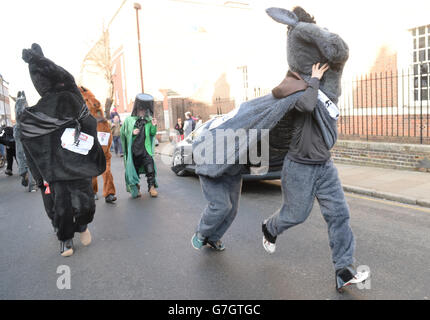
(387, 196)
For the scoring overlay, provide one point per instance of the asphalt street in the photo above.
(141, 248)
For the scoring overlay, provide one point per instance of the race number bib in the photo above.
(82, 146)
(103, 138)
(332, 109)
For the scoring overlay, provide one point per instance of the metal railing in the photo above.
(390, 106)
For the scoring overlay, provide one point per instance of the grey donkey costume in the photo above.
(302, 180)
(307, 45)
(27, 179)
(301, 183)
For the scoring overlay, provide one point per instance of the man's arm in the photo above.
(308, 101)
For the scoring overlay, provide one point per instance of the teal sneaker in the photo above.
(196, 242)
(216, 245)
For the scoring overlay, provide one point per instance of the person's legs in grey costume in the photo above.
(301, 183)
(22, 164)
(20, 157)
(223, 196)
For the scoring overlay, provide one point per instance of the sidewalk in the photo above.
(403, 186)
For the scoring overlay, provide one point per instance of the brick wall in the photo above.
(387, 155)
(389, 128)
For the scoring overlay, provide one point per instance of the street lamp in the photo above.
(137, 6)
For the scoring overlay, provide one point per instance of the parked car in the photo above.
(183, 163)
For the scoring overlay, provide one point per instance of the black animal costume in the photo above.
(69, 198)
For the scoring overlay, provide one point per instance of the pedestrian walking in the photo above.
(179, 127)
(116, 133)
(7, 139)
(189, 124)
(138, 139)
(114, 113)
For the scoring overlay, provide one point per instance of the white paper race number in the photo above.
(83, 145)
(332, 109)
(103, 138)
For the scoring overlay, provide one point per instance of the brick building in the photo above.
(390, 102)
(5, 110)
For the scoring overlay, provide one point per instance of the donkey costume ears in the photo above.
(283, 16)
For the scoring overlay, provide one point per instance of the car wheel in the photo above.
(178, 166)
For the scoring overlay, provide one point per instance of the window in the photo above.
(421, 61)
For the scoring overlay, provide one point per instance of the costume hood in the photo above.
(46, 76)
(20, 104)
(307, 44)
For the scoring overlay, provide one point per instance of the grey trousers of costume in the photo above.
(223, 196)
(22, 163)
(301, 184)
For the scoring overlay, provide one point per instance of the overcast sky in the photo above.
(67, 29)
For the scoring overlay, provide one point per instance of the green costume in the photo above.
(132, 178)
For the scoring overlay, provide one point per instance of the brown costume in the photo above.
(291, 84)
(102, 127)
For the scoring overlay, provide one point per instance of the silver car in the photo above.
(183, 162)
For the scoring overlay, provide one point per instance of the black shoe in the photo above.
(110, 198)
(66, 248)
(217, 246)
(24, 179)
(269, 241)
(8, 172)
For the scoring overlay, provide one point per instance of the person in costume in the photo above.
(26, 177)
(137, 138)
(309, 47)
(60, 142)
(105, 139)
(308, 171)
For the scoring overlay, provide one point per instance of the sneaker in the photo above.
(217, 245)
(153, 193)
(66, 248)
(8, 172)
(110, 198)
(24, 179)
(197, 243)
(268, 240)
(86, 237)
(347, 276)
